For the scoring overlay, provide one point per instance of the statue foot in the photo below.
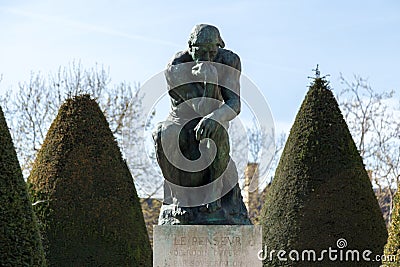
(203, 208)
(214, 206)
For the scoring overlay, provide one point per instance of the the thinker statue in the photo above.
(192, 145)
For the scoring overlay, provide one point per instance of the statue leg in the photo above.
(219, 166)
(187, 146)
(166, 130)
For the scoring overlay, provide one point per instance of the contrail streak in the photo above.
(87, 26)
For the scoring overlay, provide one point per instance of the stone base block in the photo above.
(207, 245)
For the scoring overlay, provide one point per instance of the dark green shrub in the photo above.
(321, 191)
(89, 211)
(392, 248)
(20, 243)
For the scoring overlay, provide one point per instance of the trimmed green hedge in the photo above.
(392, 248)
(321, 191)
(90, 211)
(20, 243)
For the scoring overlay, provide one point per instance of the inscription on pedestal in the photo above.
(207, 245)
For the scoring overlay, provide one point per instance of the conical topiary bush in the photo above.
(392, 248)
(321, 196)
(88, 205)
(20, 243)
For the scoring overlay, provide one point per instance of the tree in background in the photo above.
(84, 195)
(20, 241)
(264, 174)
(151, 210)
(34, 106)
(321, 192)
(258, 139)
(374, 124)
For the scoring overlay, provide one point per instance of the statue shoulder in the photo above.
(180, 57)
(229, 58)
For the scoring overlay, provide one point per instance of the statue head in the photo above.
(204, 42)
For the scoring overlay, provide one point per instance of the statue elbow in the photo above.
(238, 109)
(234, 107)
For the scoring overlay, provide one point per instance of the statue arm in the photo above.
(231, 96)
(229, 110)
(222, 115)
(231, 106)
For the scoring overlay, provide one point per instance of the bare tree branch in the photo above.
(375, 127)
(35, 104)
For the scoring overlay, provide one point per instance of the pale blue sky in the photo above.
(279, 42)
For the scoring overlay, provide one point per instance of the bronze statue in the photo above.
(192, 145)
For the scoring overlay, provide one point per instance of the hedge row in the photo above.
(321, 192)
(88, 208)
(20, 241)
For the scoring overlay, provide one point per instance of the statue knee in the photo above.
(157, 134)
(166, 130)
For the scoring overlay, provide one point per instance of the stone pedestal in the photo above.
(206, 245)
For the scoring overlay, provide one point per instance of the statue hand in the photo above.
(206, 128)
